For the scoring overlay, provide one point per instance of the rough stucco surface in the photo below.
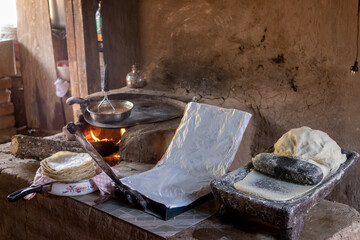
(286, 62)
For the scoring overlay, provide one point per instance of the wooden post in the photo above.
(43, 109)
(82, 48)
(121, 43)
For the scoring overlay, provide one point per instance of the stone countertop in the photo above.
(52, 217)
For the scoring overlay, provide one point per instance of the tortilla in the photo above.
(68, 166)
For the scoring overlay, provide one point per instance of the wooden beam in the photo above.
(7, 121)
(5, 83)
(7, 59)
(6, 109)
(72, 54)
(82, 48)
(5, 96)
(92, 67)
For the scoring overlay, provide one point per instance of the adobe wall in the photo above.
(286, 62)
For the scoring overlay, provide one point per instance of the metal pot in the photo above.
(104, 114)
(56, 188)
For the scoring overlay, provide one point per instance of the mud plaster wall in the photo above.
(286, 62)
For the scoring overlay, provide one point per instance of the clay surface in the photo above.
(44, 216)
(147, 143)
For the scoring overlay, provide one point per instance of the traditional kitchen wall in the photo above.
(286, 62)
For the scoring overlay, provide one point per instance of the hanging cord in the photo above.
(355, 67)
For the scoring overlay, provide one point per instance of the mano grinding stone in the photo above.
(288, 169)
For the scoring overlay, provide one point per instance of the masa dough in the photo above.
(260, 185)
(303, 143)
(308, 144)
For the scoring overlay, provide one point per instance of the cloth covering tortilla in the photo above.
(102, 181)
(309, 145)
(202, 149)
(68, 166)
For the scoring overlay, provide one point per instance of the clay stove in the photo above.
(143, 137)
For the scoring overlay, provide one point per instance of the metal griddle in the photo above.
(288, 216)
(147, 109)
(160, 210)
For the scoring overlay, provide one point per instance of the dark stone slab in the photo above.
(288, 169)
(289, 215)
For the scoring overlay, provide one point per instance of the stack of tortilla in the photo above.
(68, 166)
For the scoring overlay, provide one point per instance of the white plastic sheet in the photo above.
(202, 149)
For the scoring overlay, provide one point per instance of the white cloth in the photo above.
(61, 87)
(202, 149)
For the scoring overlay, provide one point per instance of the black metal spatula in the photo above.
(131, 195)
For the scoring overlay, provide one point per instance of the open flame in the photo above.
(106, 141)
(98, 139)
(122, 131)
(93, 138)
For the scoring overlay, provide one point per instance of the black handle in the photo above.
(106, 79)
(71, 127)
(77, 100)
(15, 196)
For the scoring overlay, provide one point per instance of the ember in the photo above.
(112, 159)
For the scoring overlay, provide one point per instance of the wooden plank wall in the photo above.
(121, 38)
(43, 108)
(7, 120)
(7, 59)
(121, 43)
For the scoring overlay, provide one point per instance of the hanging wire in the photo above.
(355, 67)
(357, 32)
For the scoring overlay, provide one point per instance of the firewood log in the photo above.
(23, 146)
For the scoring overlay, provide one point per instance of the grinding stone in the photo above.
(288, 169)
(289, 215)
